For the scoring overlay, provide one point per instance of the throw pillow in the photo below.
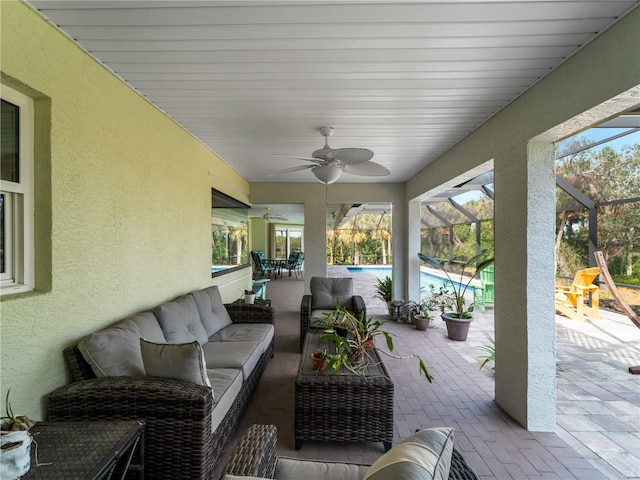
(182, 361)
(425, 455)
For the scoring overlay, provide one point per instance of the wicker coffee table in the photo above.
(342, 406)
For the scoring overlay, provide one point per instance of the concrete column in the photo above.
(524, 271)
(413, 246)
(399, 232)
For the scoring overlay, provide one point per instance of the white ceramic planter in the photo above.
(15, 460)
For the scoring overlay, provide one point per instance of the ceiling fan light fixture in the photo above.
(327, 173)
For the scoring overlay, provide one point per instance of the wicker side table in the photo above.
(343, 406)
(88, 450)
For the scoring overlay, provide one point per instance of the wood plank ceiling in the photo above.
(405, 79)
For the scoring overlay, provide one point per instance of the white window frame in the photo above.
(19, 204)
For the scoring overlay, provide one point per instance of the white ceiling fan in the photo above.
(270, 217)
(329, 163)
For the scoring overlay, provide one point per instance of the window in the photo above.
(287, 240)
(229, 233)
(16, 192)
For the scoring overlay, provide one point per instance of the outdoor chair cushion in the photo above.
(220, 316)
(425, 455)
(180, 321)
(240, 355)
(226, 384)
(246, 332)
(182, 361)
(295, 469)
(115, 351)
(326, 292)
(210, 321)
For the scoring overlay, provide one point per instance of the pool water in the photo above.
(426, 279)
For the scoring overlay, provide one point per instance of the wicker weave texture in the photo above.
(179, 441)
(359, 307)
(255, 455)
(344, 406)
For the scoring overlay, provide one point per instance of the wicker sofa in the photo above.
(435, 457)
(188, 423)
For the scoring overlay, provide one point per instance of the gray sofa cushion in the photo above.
(240, 355)
(115, 351)
(226, 384)
(217, 307)
(210, 320)
(325, 292)
(180, 321)
(182, 361)
(295, 469)
(246, 332)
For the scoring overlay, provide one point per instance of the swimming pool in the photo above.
(381, 272)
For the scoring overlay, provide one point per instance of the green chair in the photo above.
(485, 292)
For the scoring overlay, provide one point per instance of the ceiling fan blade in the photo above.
(308, 159)
(367, 169)
(292, 169)
(350, 156)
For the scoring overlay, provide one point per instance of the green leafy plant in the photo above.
(442, 297)
(422, 308)
(489, 349)
(385, 289)
(351, 348)
(13, 422)
(490, 356)
(459, 288)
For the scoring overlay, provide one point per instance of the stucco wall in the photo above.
(125, 210)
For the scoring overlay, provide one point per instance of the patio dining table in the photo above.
(278, 263)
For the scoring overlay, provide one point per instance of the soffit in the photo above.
(407, 80)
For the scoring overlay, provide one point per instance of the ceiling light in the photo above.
(327, 173)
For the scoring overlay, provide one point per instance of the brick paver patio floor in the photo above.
(598, 401)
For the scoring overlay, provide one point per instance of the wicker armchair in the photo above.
(179, 442)
(324, 294)
(255, 456)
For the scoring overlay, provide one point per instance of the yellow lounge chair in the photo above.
(570, 301)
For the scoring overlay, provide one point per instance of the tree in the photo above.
(605, 176)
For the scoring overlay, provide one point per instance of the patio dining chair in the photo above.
(262, 268)
(294, 263)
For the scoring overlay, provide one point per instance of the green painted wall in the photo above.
(122, 217)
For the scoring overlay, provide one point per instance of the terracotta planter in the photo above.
(368, 344)
(319, 364)
(457, 328)
(421, 323)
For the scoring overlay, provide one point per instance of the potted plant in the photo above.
(421, 312)
(385, 292)
(319, 360)
(15, 443)
(458, 321)
(442, 298)
(249, 297)
(351, 350)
